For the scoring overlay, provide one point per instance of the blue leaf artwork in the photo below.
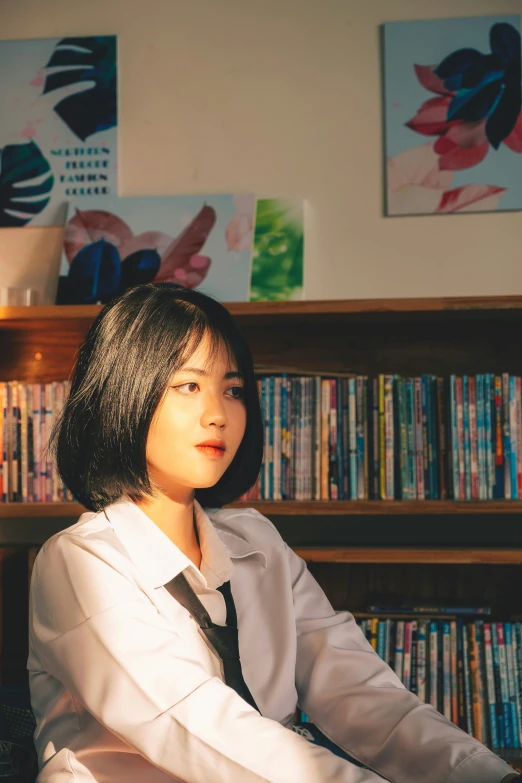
(25, 184)
(90, 60)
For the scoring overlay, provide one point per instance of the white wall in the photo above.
(281, 97)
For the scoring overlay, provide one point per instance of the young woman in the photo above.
(162, 427)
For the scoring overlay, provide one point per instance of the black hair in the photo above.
(120, 376)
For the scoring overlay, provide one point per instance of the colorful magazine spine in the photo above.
(467, 442)
(511, 684)
(490, 682)
(506, 709)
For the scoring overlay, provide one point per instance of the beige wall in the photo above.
(281, 97)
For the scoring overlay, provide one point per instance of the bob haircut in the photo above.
(121, 375)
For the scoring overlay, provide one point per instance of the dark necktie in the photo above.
(223, 638)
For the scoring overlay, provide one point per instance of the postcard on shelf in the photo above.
(199, 241)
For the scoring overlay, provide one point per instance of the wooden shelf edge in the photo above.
(340, 508)
(303, 307)
(398, 507)
(456, 556)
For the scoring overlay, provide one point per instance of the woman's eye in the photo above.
(187, 387)
(237, 392)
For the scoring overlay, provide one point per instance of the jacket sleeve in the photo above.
(358, 701)
(97, 632)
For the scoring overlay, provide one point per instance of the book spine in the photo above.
(389, 437)
(461, 692)
(332, 461)
(473, 438)
(360, 437)
(454, 437)
(346, 437)
(490, 681)
(517, 655)
(460, 440)
(453, 662)
(446, 670)
(366, 443)
(414, 656)
(481, 666)
(518, 418)
(467, 444)
(442, 445)
(403, 438)
(425, 435)
(499, 450)
(399, 650)
(352, 430)
(406, 672)
(506, 710)
(382, 440)
(513, 436)
(381, 631)
(375, 439)
(511, 683)
(480, 436)
(501, 728)
(277, 438)
(475, 685)
(339, 441)
(490, 474)
(325, 437)
(467, 679)
(506, 436)
(419, 448)
(421, 659)
(434, 667)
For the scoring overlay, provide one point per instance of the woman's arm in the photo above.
(359, 702)
(98, 634)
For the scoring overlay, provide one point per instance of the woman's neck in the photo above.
(177, 521)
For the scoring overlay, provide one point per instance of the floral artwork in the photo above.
(112, 244)
(453, 115)
(277, 263)
(58, 126)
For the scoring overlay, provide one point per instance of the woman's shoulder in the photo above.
(91, 534)
(248, 525)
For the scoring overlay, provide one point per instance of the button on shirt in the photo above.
(126, 689)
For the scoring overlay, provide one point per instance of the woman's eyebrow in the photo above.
(199, 371)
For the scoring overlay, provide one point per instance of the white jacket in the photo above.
(126, 689)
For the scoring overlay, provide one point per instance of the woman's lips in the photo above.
(211, 451)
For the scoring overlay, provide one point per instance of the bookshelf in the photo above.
(420, 549)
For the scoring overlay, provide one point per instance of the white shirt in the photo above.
(126, 689)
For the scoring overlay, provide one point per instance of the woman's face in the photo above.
(203, 402)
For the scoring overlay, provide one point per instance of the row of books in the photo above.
(350, 438)
(28, 412)
(390, 437)
(471, 672)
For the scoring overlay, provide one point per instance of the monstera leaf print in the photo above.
(25, 184)
(78, 60)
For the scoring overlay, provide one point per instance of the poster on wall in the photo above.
(199, 241)
(58, 126)
(453, 115)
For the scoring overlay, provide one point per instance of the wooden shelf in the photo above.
(452, 556)
(326, 306)
(371, 507)
(303, 508)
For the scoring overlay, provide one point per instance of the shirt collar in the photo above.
(160, 560)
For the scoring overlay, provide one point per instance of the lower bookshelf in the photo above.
(352, 576)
